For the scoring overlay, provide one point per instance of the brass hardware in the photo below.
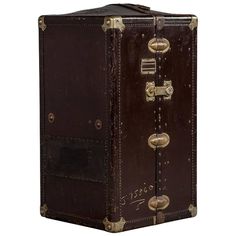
(193, 24)
(158, 45)
(51, 118)
(42, 24)
(158, 140)
(114, 226)
(158, 202)
(43, 210)
(193, 210)
(113, 22)
(160, 21)
(98, 124)
(151, 90)
(148, 66)
(159, 218)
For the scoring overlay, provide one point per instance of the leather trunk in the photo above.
(118, 116)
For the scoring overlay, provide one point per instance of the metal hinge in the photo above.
(113, 22)
(151, 90)
(114, 226)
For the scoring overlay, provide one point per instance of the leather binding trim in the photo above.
(114, 227)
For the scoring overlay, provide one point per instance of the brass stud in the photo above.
(108, 227)
(51, 117)
(98, 124)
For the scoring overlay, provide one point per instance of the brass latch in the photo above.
(158, 202)
(158, 140)
(151, 90)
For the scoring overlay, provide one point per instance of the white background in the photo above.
(19, 120)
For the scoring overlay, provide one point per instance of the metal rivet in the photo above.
(109, 227)
(51, 117)
(142, 35)
(98, 124)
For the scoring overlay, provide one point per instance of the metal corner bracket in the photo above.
(113, 22)
(193, 210)
(193, 24)
(42, 24)
(43, 210)
(114, 226)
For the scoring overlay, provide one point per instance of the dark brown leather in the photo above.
(95, 159)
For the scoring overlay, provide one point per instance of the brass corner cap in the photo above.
(193, 210)
(114, 227)
(41, 22)
(43, 210)
(193, 23)
(113, 22)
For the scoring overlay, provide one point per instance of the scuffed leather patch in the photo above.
(77, 159)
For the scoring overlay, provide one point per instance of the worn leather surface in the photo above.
(88, 75)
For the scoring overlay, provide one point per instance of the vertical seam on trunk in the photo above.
(107, 127)
(193, 119)
(119, 121)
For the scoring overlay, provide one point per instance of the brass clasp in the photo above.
(151, 90)
(158, 140)
(158, 202)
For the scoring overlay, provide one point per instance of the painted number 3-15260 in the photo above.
(137, 196)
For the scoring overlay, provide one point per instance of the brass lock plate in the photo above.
(158, 140)
(158, 202)
(152, 91)
(158, 45)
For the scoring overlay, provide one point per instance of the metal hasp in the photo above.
(114, 226)
(158, 140)
(151, 90)
(158, 202)
(158, 45)
(42, 24)
(113, 22)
